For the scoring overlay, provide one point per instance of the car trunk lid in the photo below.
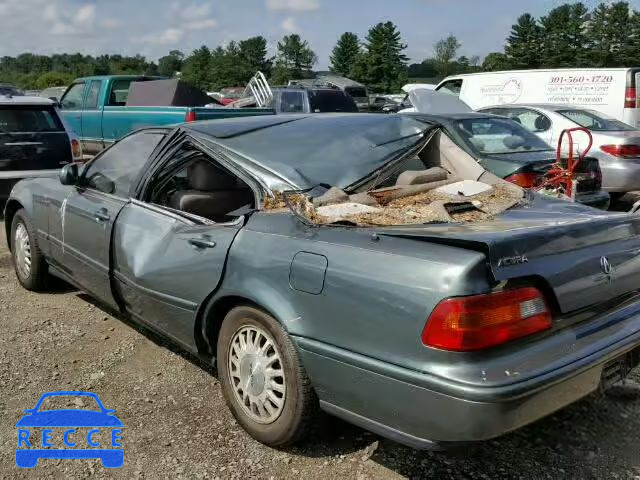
(585, 256)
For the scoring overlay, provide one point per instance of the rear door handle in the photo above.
(102, 215)
(202, 243)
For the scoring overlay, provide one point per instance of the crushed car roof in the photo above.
(331, 149)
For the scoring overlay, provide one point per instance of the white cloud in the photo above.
(195, 11)
(289, 25)
(85, 14)
(293, 5)
(201, 24)
(110, 23)
(168, 36)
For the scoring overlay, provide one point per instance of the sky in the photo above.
(153, 27)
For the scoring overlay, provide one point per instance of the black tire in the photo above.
(38, 277)
(300, 408)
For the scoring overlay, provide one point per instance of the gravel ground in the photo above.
(176, 424)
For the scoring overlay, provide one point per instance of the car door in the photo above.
(91, 118)
(88, 212)
(166, 265)
(71, 106)
(167, 262)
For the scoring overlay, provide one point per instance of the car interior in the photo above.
(202, 188)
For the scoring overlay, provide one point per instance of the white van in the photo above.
(607, 90)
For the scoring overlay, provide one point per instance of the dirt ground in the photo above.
(176, 424)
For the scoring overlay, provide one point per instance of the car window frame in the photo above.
(83, 181)
(160, 160)
(85, 105)
(66, 94)
(111, 89)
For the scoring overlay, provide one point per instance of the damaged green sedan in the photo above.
(363, 265)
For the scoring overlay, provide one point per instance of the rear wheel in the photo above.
(29, 263)
(263, 381)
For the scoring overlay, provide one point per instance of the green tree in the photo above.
(494, 62)
(564, 36)
(609, 36)
(345, 53)
(196, 68)
(446, 50)
(524, 44)
(170, 64)
(53, 79)
(427, 69)
(294, 59)
(252, 53)
(386, 63)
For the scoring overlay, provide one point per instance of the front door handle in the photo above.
(202, 243)
(102, 215)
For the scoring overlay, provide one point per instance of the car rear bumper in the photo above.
(429, 412)
(619, 176)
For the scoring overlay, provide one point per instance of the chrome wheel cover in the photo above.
(256, 374)
(22, 250)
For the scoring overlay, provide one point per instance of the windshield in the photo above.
(596, 122)
(27, 118)
(498, 136)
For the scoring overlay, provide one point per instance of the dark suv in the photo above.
(33, 141)
(312, 100)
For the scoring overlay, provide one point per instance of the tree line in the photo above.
(569, 35)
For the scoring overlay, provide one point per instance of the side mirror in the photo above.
(69, 174)
(29, 410)
(55, 101)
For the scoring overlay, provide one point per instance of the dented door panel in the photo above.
(165, 266)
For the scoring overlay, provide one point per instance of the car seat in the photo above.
(214, 194)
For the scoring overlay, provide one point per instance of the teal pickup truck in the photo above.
(95, 108)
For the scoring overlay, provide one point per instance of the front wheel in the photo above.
(29, 263)
(262, 378)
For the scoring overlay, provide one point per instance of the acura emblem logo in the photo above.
(606, 267)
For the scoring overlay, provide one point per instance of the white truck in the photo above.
(608, 90)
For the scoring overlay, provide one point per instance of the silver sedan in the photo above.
(615, 144)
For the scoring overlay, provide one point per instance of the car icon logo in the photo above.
(69, 433)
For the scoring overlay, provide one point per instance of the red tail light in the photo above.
(190, 116)
(76, 150)
(630, 97)
(474, 323)
(525, 180)
(624, 151)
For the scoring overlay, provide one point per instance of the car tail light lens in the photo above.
(623, 151)
(482, 321)
(76, 150)
(630, 96)
(190, 116)
(525, 180)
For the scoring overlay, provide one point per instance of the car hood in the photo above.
(69, 418)
(559, 241)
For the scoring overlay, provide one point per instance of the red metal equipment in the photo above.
(560, 178)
